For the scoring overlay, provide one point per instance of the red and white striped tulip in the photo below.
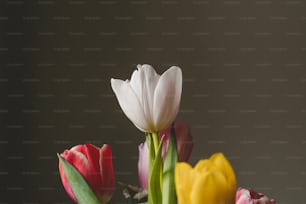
(246, 196)
(95, 165)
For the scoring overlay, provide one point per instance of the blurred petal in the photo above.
(245, 196)
(208, 188)
(130, 104)
(143, 165)
(183, 182)
(205, 165)
(184, 142)
(167, 98)
(224, 166)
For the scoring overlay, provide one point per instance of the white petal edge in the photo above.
(129, 103)
(167, 97)
(81, 156)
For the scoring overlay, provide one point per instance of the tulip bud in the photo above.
(184, 147)
(95, 166)
(245, 196)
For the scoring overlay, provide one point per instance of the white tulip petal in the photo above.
(167, 97)
(130, 104)
(136, 83)
(143, 82)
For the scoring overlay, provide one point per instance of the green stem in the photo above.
(168, 192)
(155, 169)
(151, 161)
(155, 141)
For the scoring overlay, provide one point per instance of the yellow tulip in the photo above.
(211, 181)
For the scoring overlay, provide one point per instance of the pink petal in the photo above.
(143, 165)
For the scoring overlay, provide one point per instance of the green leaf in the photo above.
(169, 196)
(81, 190)
(154, 188)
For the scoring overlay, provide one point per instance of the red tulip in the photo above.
(95, 165)
(245, 196)
(184, 147)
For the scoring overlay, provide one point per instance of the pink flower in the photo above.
(245, 196)
(95, 165)
(143, 165)
(184, 148)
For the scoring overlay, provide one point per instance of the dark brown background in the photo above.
(244, 88)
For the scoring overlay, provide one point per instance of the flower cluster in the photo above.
(151, 102)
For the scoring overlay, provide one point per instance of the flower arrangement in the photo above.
(151, 102)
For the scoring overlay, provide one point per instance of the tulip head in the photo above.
(245, 196)
(184, 145)
(95, 165)
(211, 181)
(149, 100)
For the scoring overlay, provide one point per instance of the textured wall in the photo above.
(244, 69)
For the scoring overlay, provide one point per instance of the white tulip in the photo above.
(149, 100)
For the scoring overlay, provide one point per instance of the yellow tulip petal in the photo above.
(209, 188)
(183, 182)
(205, 165)
(223, 165)
(202, 165)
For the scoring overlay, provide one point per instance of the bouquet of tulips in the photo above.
(151, 102)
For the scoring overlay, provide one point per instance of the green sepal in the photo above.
(79, 186)
(169, 195)
(154, 188)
